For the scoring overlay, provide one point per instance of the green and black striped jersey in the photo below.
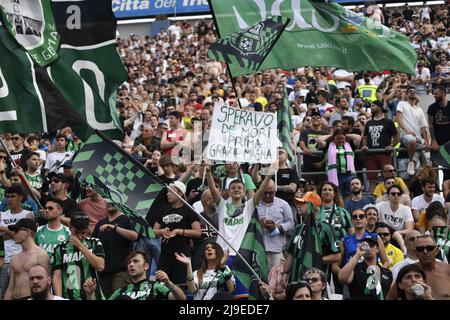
(75, 268)
(143, 290)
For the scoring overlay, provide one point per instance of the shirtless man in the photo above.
(21, 263)
(437, 272)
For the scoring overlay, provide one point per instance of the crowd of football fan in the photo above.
(366, 186)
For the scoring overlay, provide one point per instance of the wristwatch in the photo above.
(115, 227)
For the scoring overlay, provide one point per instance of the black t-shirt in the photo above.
(441, 122)
(407, 14)
(19, 157)
(70, 207)
(176, 218)
(309, 137)
(379, 133)
(361, 289)
(160, 201)
(286, 176)
(116, 247)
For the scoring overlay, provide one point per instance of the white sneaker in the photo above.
(411, 168)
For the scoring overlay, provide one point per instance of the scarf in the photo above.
(332, 168)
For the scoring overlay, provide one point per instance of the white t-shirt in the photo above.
(419, 203)
(233, 228)
(413, 117)
(396, 219)
(8, 219)
(398, 266)
(208, 277)
(342, 73)
(55, 160)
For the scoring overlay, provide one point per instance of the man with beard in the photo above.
(357, 200)
(141, 288)
(340, 111)
(54, 232)
(439, 122)
(18, 287)
(420, 203)
(40, 284)
(437, 272)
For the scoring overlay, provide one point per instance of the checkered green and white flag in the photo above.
(249, 47)
(116, 176)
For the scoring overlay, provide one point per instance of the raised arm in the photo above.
(211, 185)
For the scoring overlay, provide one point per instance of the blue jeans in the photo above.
(4, 280)
(344, 183)
(153, 248)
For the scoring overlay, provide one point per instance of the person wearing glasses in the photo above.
(410, 256)
(30, 255)
(59, 185)
(389, 172)
(366, 279)
(317, 281)
(48, 236)
(20, 151)
(406, 200)
(394, 254)
(394, 214)
(437, 272)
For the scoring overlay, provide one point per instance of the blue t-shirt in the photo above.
(351, 243)
(28, 204)
(351, 205)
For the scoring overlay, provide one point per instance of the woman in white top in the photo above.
(212, 277)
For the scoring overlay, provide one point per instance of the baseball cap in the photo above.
(315, 114)
(67, 164)
(380, 104)
(370, 239)
(60, 176)
(312, 197)
(179, 185)
(23, 223)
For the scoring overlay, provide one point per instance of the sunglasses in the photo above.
(49, 208)
(15, 138)
(358, 216)
(312, 280)
(384, 234)
(428, 248)
(55, 180)
(392, 170)
(395, 194)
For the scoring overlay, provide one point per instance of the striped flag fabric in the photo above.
(248, 48)
(253, 251)
(117, 176)
(285, 127)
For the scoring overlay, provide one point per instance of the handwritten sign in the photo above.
(242, 136)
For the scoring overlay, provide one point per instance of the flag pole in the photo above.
(23, 179)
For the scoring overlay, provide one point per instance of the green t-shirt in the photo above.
(35, 180)
(48, 239)
(143, 290)
(340, 220)
(75, 268)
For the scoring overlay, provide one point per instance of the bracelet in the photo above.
(190, 278)
(115, 227)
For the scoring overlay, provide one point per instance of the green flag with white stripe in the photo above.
(285, 127)
(117, 176)
(247, 49)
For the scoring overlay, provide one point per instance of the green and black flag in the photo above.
(253, 251)
(310, 252)
(248, 48)
(78, 88)
(285, 127)
(442, 237)
(123, 179)
(442, 158)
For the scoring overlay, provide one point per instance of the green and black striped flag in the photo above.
(253, 251)
(442, 157)
(442, 237)
(117, 176)
(249, 47)
(285, 127)
(310, 252)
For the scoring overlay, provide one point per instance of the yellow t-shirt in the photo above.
(263, 101)
(380, 189)
(394, 255)
(423, 221)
